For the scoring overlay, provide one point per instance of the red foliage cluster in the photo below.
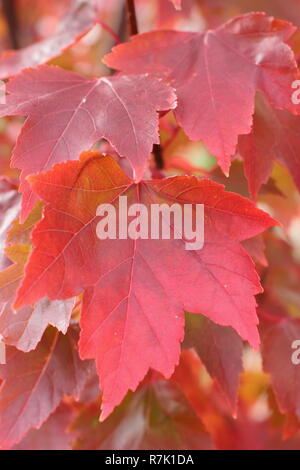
(172, 348)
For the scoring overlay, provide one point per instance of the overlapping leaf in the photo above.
(24, 328)
(220, 350)
(156, 416)
(53, 435)
(35, 382)
(216, 74)
(278, 351)
(136, 290)
(78, 21)
(274, 136)
(68, 114)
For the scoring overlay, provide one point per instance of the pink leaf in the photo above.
(68, 114)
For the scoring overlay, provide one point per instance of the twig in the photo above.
(9, 8)
(132, 17)
(123, 27)
(157, 152)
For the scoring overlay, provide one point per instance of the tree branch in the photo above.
(158, 157)
(10, 12)
(132, 17)
(133, 26)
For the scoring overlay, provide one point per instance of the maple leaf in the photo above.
(53, 435)
(68, 114)
(169, 423)
(25, 328)
(277, 361)
(200, 397)
(135, 290)
(216, 11)
(20, 233)
(91, 391)
(35, 382)
(256, 249)
(217, 73)
(274, 136)
(220, 350)
(281, 281)
(77, 22)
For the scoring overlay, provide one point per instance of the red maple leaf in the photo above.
(53, 435)
(68, 114)
(280, 342)
(216, 74)
(24, 328)
(34, 384)
(220, 350)
(135, 291)
(274, 136)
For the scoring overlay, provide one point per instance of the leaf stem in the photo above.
(110, 31)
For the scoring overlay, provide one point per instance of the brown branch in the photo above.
(123, 25)
(158, 157)
(133, 26)
(10, 12)
(132, 17)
